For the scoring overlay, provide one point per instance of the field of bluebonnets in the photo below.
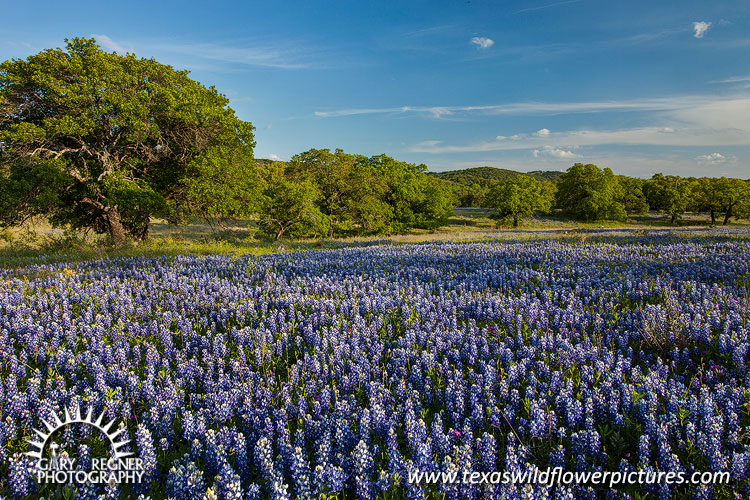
(334, 373)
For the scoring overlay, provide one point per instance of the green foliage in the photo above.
(29, 188)
(474, 195)
(519, 197)
(289, 207)
(221, 182)
(704, 197)
(478, 175)
(330, 173)
(405, 190)
(590, 193)
(720, 195)
(630, 195)
(670, 194)
(366, 207)
(471, 186)
(436, 204)
(733, 196)
(125, 133)
(376, 195)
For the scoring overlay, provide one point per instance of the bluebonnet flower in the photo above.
(146, 453)
(228, 486)
(301, 475)
(20, 477)
(431, 351)
(363, 470)
(185, 480)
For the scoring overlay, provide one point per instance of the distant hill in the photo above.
(479, 175)
(547, 175)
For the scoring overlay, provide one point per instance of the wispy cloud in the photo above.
(274, 157)
(646, 37)
(108, 43)
(483, 42)
(700, 28)
(711, 124)
(537, 108)
(283, 56)
(733, 79)
(432, 30)
(547, 6)
(287, 54)
(542, 132)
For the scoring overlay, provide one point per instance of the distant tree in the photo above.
(704, 197)
(435, 205)
(590, 193)
(415, 198)
(519, 197)
(289, 207)
(731, 195)
(329, 172)
(116, 136)
(366, 207)
(372, 195)
(473, 195)
(669, 193)
(548, 191)
(742, 209)
(479, 175)
(630, 195)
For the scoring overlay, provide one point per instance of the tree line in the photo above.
(106, 142)
(587, 192)
(323, 193)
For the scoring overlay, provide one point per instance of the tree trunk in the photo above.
(116, 231)
(515, 220)
(674, 217)
(728, 215)
(279, 233)
(713, 217)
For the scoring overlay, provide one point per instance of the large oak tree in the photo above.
(106, 141)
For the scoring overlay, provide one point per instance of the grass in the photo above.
(40, 243)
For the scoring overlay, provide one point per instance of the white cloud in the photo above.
(700, 28)
(561, 154)
(483, 42)
(714, 159)
(108, 43)
(274, 157)
(542, 132)
(439, 112)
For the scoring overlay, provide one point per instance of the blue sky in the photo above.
(638, 86)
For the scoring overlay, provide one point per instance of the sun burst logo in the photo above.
(119, 467)
(58, 424)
